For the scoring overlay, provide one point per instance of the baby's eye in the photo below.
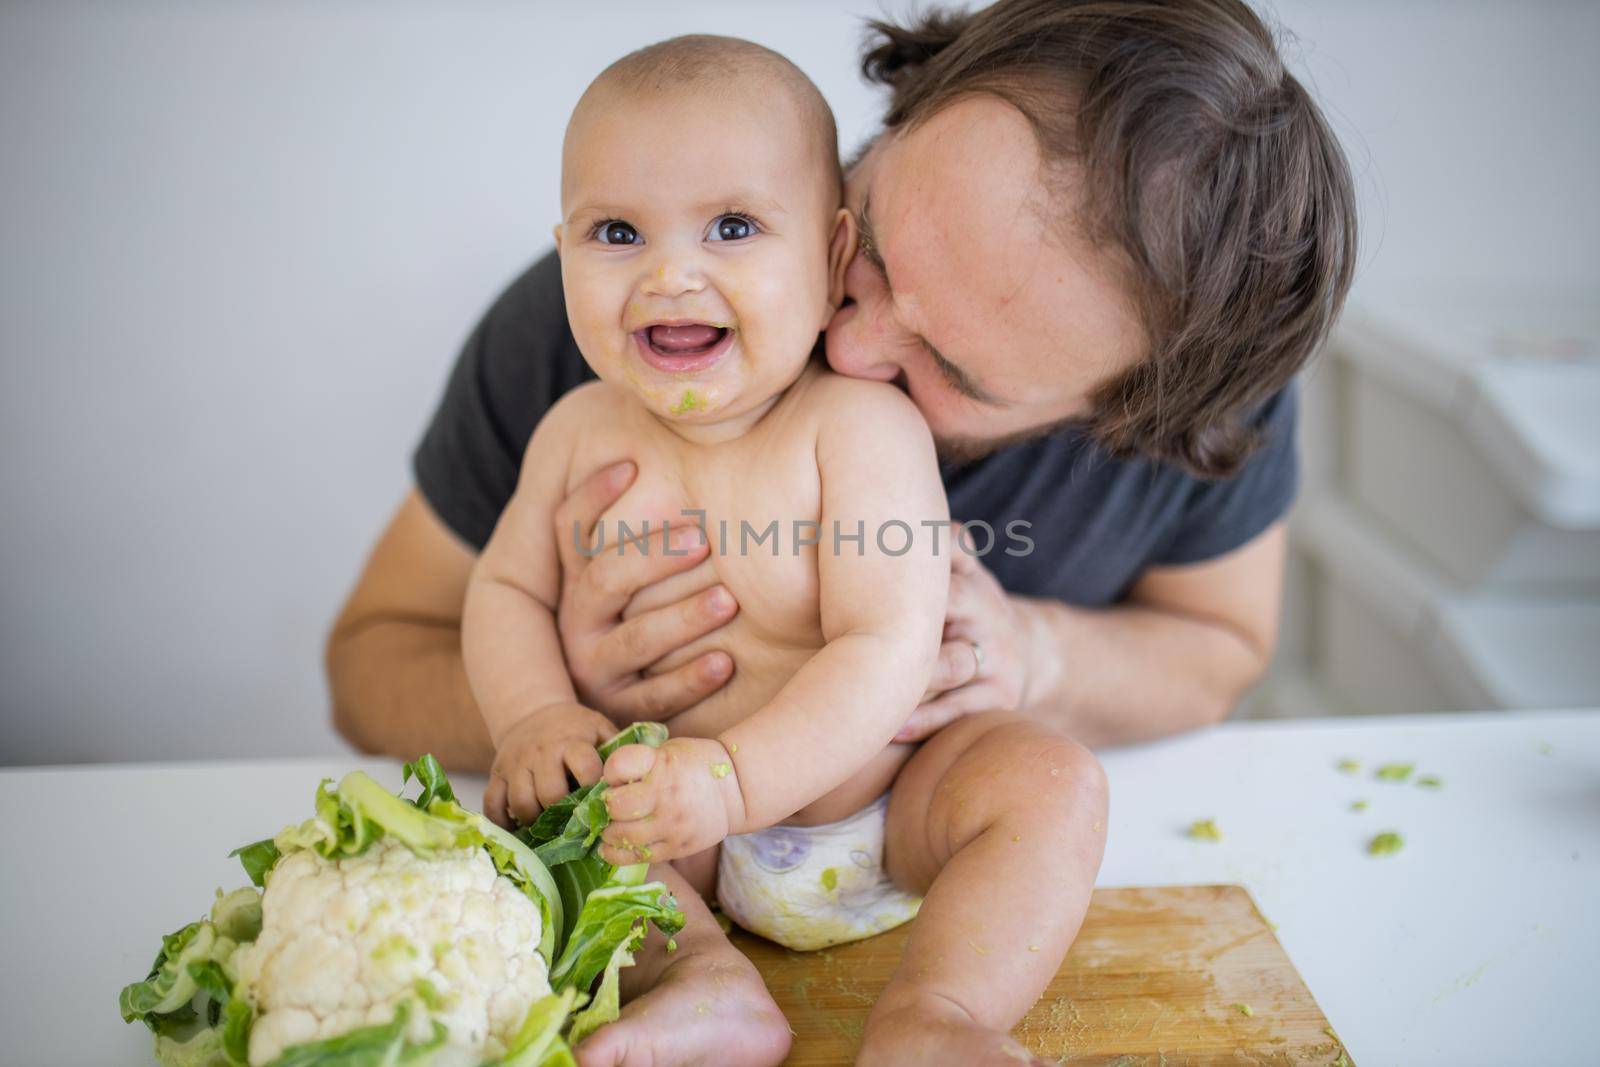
(731, 228)
(616, 232)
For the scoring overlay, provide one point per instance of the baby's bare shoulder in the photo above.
(584, 406)
(564, 435)
(589, 399)
(857, 407)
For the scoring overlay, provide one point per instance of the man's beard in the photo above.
(963, 450)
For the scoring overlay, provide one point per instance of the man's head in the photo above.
(1121, 214)
(702, 241)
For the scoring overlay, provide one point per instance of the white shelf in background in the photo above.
(1388, 633)
(1473, 431)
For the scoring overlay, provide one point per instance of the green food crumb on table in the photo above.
(1347, 766)
(1246, 1010)
(1385, 844)
(1430, 781)
(1205, 830)
(1358, 805)
(1394, 772)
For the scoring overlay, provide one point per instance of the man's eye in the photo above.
(616, 233)
(947, 372)
(731, 228)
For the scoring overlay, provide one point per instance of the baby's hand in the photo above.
(532, 761)
(668, 802)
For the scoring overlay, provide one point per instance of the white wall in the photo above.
(239, 245)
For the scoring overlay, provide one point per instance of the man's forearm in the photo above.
(1129, 673)
(400, 689)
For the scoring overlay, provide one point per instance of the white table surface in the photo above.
(1479, 943)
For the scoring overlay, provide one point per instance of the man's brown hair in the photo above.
(1208, 167)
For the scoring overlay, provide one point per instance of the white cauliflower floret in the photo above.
(344, 942)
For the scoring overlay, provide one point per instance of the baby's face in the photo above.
(695, 247)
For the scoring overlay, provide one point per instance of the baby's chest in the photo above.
(759, 509)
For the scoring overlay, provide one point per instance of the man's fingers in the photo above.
(629, 764)
(584, 763)
(957, 665)
(618, 572)
(584, 507)
(963, 599)
(662, 696)
(643, 639)
(933, 716)
(611, 578)
(963, 557)
(521, 801)
(494, 802)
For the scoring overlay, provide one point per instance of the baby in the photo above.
(702, 249)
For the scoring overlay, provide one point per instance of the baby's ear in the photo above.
(840, 251)
(555, 231)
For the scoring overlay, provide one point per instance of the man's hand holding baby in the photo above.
(669, 802)
(533, 759)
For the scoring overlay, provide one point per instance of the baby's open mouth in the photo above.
(682, 347)
(688, 339)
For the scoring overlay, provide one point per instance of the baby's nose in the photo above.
(672, 276)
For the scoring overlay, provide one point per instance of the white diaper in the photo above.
(808, 887)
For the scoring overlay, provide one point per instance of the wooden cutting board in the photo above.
(1154, 978)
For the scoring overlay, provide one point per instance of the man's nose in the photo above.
(672, 272)
(859, 346)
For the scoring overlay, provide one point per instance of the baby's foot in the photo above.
(925, 1028)
(710, 1007)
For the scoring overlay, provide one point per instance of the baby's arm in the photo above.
(510, 644)
(882, 618)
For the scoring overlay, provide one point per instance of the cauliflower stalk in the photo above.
(390, 931)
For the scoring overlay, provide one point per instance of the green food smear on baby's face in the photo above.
(690, 401)
(720, 770)
(1205, 830)
(1394, 772)
(1385, 844)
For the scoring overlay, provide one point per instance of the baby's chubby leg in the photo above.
(1001, 823)
(703, 1003)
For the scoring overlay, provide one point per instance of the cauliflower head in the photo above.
(384, 931)
(345, 942)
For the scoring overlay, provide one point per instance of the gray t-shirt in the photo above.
(1095, 522)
